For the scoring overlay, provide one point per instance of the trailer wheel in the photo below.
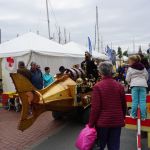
(57, 115)
(85, 115)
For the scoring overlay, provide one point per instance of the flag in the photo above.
(108, 51)
(90, 45)
(10, 64)
(111, 54)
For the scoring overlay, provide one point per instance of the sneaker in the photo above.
(133, 117)
(143, 119)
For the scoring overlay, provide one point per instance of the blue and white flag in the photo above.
(90, 45)
(111, 54)
(108, 51)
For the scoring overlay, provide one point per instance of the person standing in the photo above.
(47, 77)
(26, 73)
(137, 77)
(36, 76)
(23, 70)
(89, 66)
(108, 109)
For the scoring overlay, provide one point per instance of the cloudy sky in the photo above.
(120, 21)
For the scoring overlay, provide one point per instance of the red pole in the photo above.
(139, 129)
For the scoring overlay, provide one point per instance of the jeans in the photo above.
(109, 137)
(138, 98)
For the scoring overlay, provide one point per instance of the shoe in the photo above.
(143, 119)
(133, 117)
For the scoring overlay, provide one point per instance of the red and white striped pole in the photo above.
(139, 129)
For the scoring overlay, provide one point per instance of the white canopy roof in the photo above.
(99, 55)
(78, 49)
(75, 48)
(32, 42)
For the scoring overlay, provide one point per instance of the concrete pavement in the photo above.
(65, 139)
(13, 139)
(48, 134)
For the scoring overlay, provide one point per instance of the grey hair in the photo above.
(106, 68)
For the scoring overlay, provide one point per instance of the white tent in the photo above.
(99, 55)
(78, 49)
(32, 47)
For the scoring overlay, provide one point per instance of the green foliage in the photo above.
(120, 52)
(125, 53)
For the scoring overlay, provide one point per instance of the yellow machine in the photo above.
(61, 96)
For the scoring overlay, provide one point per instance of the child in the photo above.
(47, 77)
(137, 77)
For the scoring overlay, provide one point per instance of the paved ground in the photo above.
(65, 139)
(13, 139)
(47, 134)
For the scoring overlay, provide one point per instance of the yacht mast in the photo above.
(48, 21)
(97, 25)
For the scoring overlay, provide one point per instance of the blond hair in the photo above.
(135, 58)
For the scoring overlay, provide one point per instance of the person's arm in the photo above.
(128, 76)
(146, 74)
(95, 106)
(123, 101)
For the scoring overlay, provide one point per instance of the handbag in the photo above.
(86, 138)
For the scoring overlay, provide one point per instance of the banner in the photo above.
(90, 45)
(10, 64)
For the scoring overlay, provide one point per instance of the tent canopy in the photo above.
(32, 47)
(32, 42)
(78, 49)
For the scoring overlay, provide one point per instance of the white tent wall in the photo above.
(7, 82)
(54, 62)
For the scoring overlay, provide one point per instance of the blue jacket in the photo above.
(48, 79)
(37, 79)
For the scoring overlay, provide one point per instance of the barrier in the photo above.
(138, 130)
(137, 124)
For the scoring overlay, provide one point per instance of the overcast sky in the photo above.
(120, 21)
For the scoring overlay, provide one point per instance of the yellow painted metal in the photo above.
(59, 96)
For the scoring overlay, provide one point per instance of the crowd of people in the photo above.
(35, 75)
(108, 104)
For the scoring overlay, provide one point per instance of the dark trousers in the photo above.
(109, 137)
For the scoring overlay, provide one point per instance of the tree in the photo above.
(125, 53)
(120, 54)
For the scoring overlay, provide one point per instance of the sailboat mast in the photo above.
(69, 37)
(0, 36)
(59, 36)
(48, 21)
(65, 38)
(97, 25)
(95, 38)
